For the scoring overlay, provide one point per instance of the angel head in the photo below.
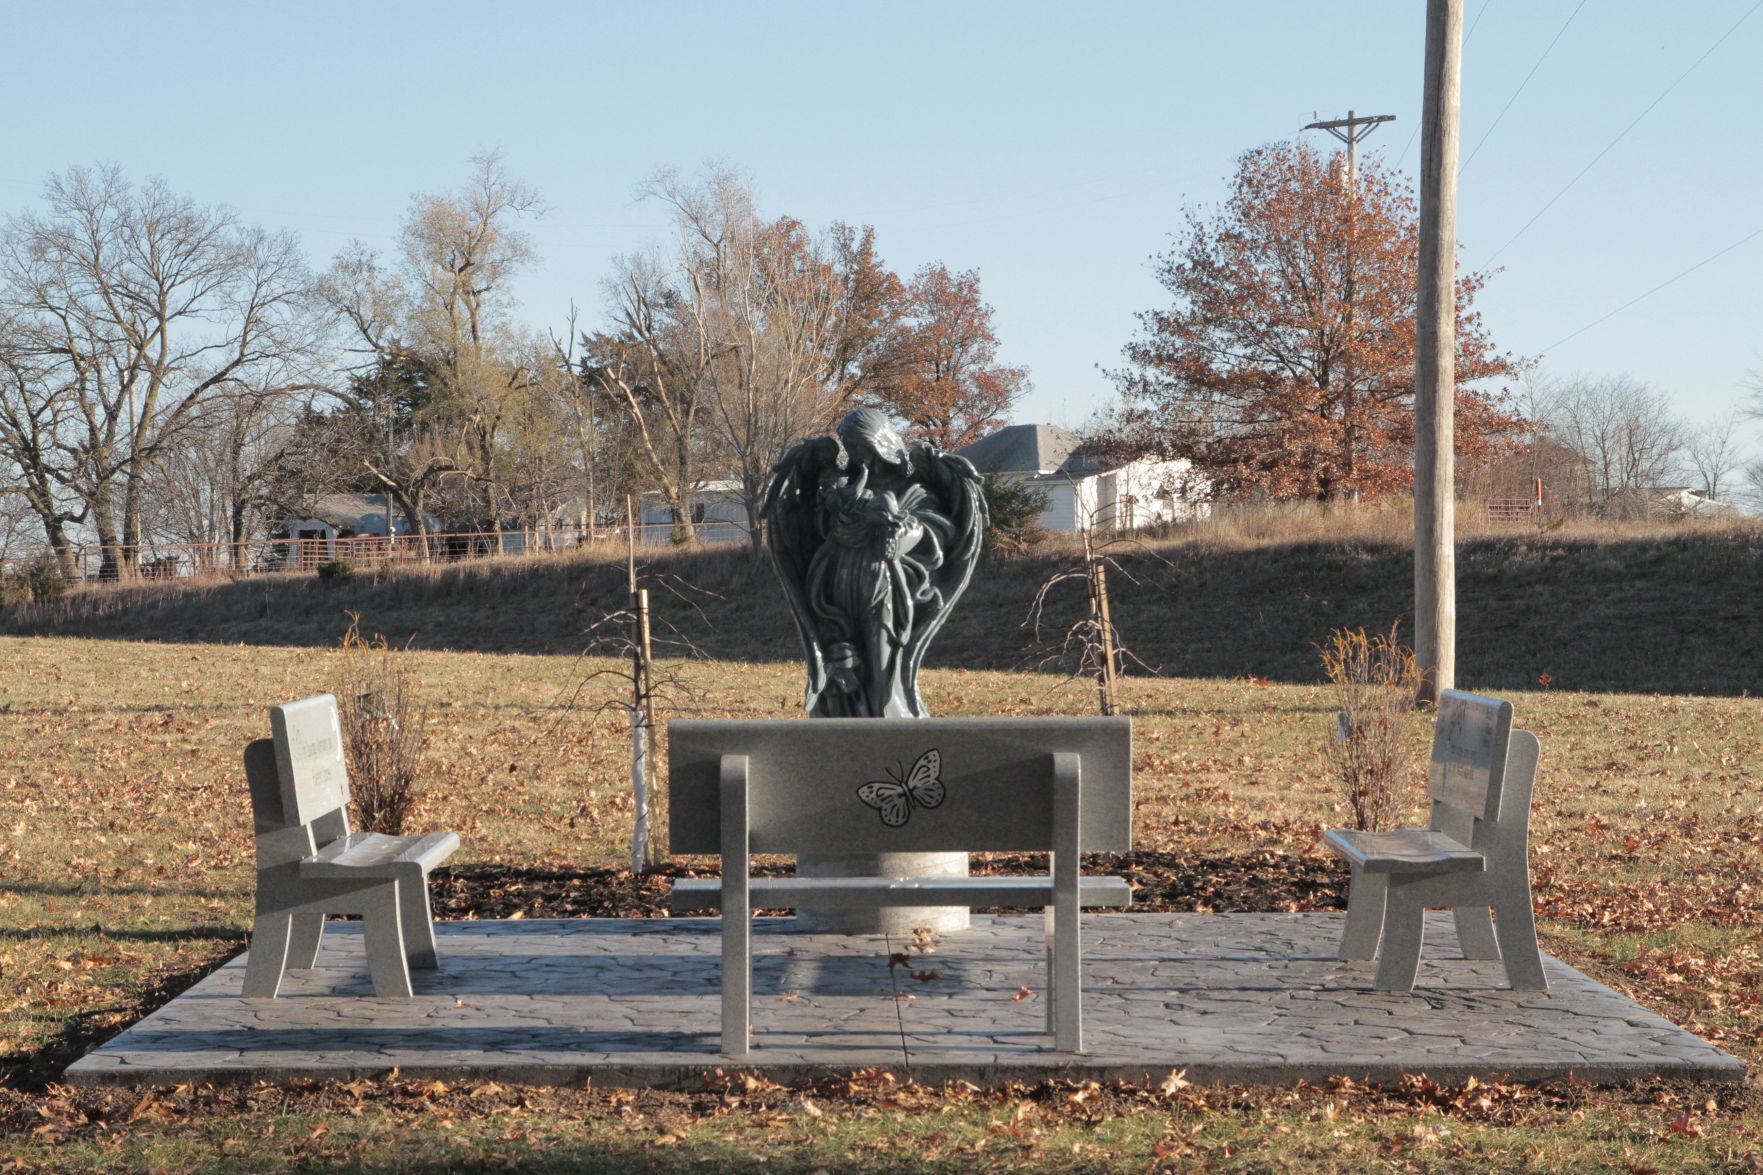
(870, 439)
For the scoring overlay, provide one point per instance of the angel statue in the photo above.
(872, 554)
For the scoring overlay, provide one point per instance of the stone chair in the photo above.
(309, 864)
(1473, 857)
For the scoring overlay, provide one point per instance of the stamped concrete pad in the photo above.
(1241, 998)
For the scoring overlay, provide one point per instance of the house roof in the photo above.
(364, 514)
(1023, 448)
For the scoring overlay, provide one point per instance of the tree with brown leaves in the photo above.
(1286, 364)
(940, 372)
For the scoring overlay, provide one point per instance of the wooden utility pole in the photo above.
(1435, 557)
(1350, 130)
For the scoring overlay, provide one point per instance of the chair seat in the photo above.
(1405, 850)
(375, 854)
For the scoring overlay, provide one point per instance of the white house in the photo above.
(718, 515)
(1084, 491)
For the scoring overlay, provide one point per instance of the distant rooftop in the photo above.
(1023, 448)
(1033, 450)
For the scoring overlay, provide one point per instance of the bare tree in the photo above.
(136, 309)
(1629, 432)
(1714, 453)
(35, 417)
(750, 336)
(443, 310)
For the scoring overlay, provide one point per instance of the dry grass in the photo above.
(1667, 610)
(125, 867)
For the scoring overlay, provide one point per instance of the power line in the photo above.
(1623, 133)
(1668, 281)
(1412, 135)
(1519, 90)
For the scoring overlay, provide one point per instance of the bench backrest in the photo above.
(862, 785)
(1469, 750)
(309, 759)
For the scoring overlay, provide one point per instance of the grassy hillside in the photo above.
(1672, 612)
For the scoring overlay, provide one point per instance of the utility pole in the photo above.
(1435, 556)
(1350, 130)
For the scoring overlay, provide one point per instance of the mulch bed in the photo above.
(1162, 882)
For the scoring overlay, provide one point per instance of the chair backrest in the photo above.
(867, 785)
(1469, 751)
(309, 759)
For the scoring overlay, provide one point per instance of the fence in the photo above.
(159, 561)
(1511, 509)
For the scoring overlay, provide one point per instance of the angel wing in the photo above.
(958, 524)
(791, 534)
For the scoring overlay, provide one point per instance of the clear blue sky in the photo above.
(1051, 148)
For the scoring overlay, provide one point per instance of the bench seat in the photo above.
(375, 854)
(705, 893)
(1405, 850)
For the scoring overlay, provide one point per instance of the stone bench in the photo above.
(1056, 785)
(1473, 857)
(309, 864)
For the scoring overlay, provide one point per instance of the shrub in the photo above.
(336, 569)
(1375, 680)
(37, 582)
(1014, 508)
(384, 730)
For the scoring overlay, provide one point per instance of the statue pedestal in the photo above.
(900, 920)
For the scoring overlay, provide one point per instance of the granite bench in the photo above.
(1057, 785)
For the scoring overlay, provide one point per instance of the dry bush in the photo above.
(1374, 679)
(383, 730)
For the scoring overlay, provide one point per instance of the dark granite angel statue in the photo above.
(872, 553)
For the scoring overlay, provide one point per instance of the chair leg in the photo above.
(1366, 894)
(1516, 928)
(1475, 932)
(384, 932)
(419, 923)
(303, 942)
(268, 957)
(1398, 961)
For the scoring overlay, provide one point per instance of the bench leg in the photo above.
(737, 980)
(1067, 985)
(1366, 894)
(1475, 932)
(419, 923)
(1516, 928)
(269, 956)
(304, 940)
(1404, 925)
(1047, 1005)
(384, 933)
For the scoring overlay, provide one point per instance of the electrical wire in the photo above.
(1533, 72)
(1623, 133)
(1668, 281)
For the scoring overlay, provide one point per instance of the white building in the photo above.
(718, 515)
(1083, 491)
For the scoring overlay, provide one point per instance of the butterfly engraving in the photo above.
(894, 798)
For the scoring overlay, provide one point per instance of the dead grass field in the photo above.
(125, 871)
